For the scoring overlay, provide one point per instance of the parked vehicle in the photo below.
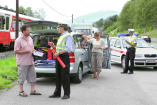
(146, 38)
(80, 59)
(86, 28)
(146, 56)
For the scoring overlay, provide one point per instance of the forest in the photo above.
(140, 15)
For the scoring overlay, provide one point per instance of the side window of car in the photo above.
(112, 41)
(117, 44)
(77, 39)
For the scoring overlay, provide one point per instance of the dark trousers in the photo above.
(62, 75)
(130, 55)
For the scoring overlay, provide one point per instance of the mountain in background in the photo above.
(93, 17)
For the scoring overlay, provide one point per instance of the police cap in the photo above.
(62, 25)
(131, 30)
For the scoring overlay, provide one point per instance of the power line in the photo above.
(55, 10)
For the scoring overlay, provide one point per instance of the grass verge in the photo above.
(8, 72)
(151, 34)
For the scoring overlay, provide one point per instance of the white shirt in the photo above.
(96, 43)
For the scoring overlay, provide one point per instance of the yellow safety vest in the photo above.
(131, 40)
(61, 42)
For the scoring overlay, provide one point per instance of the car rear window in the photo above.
(44, 39)
(146, 37)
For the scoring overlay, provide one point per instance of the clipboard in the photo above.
(39, 54)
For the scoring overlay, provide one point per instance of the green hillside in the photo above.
(93, 17)
(152, 34)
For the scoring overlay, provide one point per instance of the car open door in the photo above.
(106, 64)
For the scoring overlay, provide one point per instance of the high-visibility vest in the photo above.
(61, 42)
(131, 40)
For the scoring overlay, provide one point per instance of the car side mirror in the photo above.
(118, 46)
(151, 46)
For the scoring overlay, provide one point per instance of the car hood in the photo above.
(146, 51)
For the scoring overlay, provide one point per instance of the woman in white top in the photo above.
(97, 54)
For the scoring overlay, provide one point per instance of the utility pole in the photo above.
(72, 18)
(17, 18)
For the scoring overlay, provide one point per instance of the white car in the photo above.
(145, 56)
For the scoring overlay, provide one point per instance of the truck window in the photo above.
(7, 23)
(85, 31)
(1, 25)
(14, 24)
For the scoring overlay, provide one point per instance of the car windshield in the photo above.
(140, 44)
(43, 27)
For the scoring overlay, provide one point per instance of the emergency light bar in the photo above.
(121, 35)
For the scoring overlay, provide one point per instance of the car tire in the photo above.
(78, 77)
(123, 62)
(155, 68)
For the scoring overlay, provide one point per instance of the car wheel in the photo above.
(155, 68)
(123, 62)
(78, 77)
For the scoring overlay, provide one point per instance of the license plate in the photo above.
(151, 61)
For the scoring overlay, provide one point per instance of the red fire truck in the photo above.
(8, 25)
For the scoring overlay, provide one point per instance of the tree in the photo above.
(11, 9)
(114, 18)
(6, 6)
(22, 10)
(39, 13)
(99, 23)
(94, 25)
(29, 11)
(126, 17)
(107, 24)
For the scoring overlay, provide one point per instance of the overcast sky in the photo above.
(67, 7)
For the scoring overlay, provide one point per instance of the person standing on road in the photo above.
(63, 48)
(23, 49)
(97, 54)
(130, 54)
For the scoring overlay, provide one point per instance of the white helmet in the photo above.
(131, 30)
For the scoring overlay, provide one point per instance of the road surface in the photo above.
(112, 88)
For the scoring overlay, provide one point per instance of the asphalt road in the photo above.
(154, 44)
(112, 88)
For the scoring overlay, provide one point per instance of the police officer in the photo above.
(63, 48)
(130, 54)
